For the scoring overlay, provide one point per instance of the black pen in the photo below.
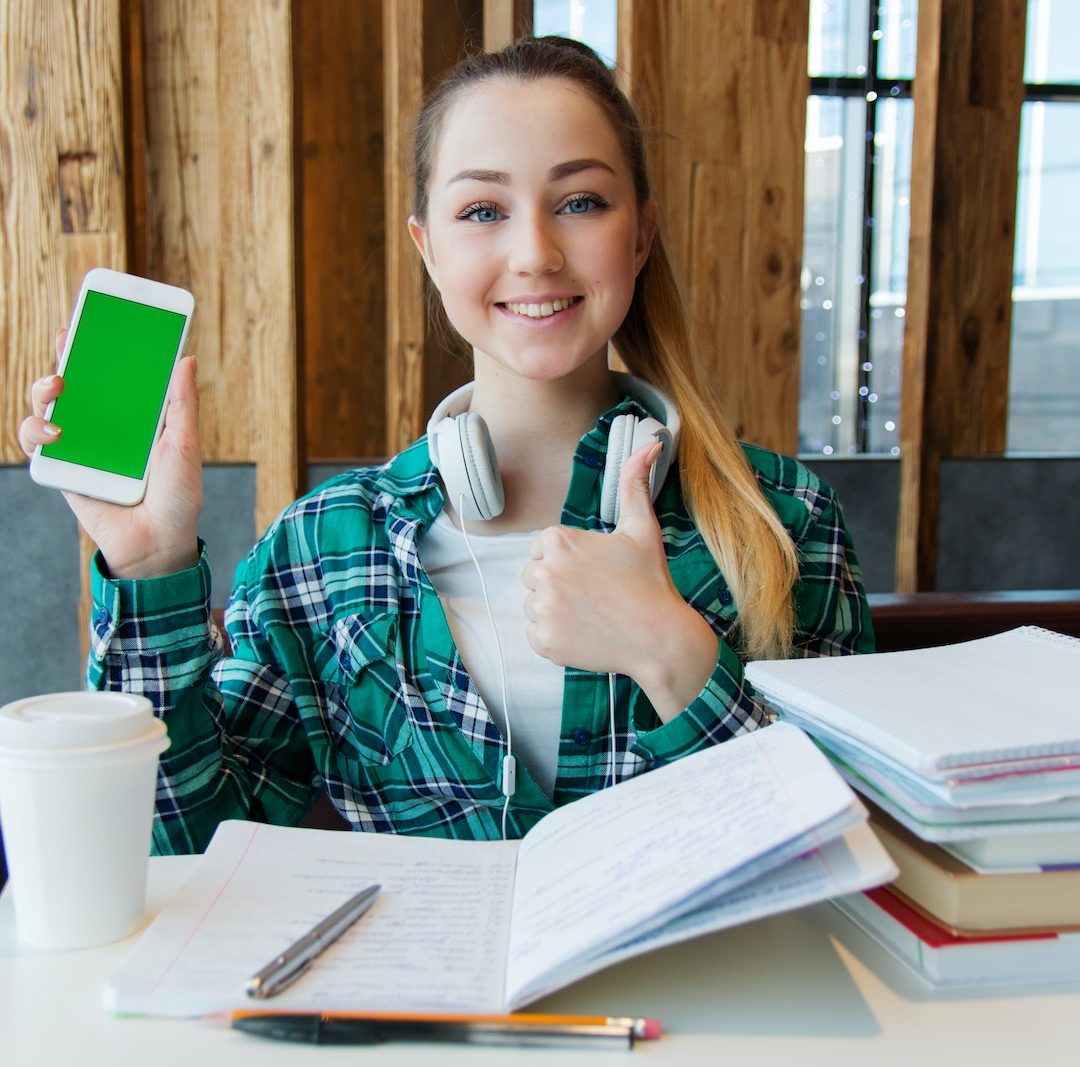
(284, 969)
(510, 1030)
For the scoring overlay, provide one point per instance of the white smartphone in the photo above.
(125, 337)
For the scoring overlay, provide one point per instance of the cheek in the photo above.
(464, 275)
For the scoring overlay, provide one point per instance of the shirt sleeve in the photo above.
(237, 748)
(832, 617)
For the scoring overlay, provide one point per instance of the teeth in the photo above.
(540, 311)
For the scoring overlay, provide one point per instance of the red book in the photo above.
(943, 959)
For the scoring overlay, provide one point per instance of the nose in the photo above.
(534, 246)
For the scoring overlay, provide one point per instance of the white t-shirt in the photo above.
(534, 685)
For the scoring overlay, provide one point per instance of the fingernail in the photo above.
(51, 430)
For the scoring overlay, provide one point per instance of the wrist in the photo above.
(678, 662)
(156, 565)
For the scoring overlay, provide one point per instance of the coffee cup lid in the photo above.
(77, 720)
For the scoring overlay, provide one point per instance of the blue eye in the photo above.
(480, 213)
(582, 205)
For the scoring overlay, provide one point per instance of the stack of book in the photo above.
(968, 756)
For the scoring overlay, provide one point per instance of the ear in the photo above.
(647, 222)
(420, 239)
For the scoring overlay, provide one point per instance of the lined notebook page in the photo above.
(1015, 694)
(444, 910)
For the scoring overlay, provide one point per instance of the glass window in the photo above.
(591, 21)
(838, 45)
(1044, 358)
(858, 176)
(1044, 362)
(1053, 36)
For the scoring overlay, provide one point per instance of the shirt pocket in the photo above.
(698, 579)
(365, 709)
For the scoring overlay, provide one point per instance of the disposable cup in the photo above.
(77, 780)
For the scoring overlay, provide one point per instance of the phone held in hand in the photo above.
(125, 337)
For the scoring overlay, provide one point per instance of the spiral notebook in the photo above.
(1006, 705)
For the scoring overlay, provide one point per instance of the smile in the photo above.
(544, 310)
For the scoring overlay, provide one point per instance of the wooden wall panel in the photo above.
(723, 84)
(405, 328)
(422, 38)
(342, 236)
(219, 144)
(968, 94)
(505, 21)
(62, 174)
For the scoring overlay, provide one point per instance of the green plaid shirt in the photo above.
(342, 674)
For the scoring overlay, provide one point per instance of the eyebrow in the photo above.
(558, 172)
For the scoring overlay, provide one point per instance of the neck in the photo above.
(535, 427)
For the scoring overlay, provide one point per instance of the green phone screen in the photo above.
(115, 382)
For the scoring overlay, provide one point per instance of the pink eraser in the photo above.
(652, 1029)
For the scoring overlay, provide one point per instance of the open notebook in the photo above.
(757, 825)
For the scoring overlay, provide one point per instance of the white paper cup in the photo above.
(77, 780)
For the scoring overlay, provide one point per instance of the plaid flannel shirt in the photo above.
(342, 674)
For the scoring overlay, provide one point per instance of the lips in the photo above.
(541, 310)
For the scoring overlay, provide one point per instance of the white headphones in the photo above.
(460, 447)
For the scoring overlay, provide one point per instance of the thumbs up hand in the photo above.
(606, 602)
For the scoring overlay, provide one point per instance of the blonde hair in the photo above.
(742, 531)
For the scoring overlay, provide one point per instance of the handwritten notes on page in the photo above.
(490, 926)
(444, 911)
(666, 842)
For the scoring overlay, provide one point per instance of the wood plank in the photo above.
(342, 235)
(922, 620)
(422, 38)
(219, 137)
(184, 184)
(258, 244)
(505, 21)
(724, 82)
(450, 30)
(258, 325)
(61, 128)
(405, 326)
(768, 386)
(968, 95)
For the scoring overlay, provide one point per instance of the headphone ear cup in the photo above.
(620, 448)
(481, 466)
(461, 449)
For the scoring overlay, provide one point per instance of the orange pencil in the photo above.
(518, 1028)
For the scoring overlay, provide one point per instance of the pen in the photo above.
(362, 1028)
(284, 969)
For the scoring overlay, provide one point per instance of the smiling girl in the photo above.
(571, 568)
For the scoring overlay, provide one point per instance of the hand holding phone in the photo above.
(96, 422)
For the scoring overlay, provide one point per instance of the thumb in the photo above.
(636, 515)
(182, 414)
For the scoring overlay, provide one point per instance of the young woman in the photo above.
(527, 578)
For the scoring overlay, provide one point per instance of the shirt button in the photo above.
(102, 618)
(725, 596)
(581, 737)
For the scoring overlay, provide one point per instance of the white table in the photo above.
(796, 990)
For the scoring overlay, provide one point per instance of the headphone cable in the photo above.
(509, 764)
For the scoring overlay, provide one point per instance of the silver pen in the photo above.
(284, 969)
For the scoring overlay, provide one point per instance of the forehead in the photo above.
(518, 126)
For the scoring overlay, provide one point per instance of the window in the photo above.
(858, 176)
(591, 21)
(1044, 364)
